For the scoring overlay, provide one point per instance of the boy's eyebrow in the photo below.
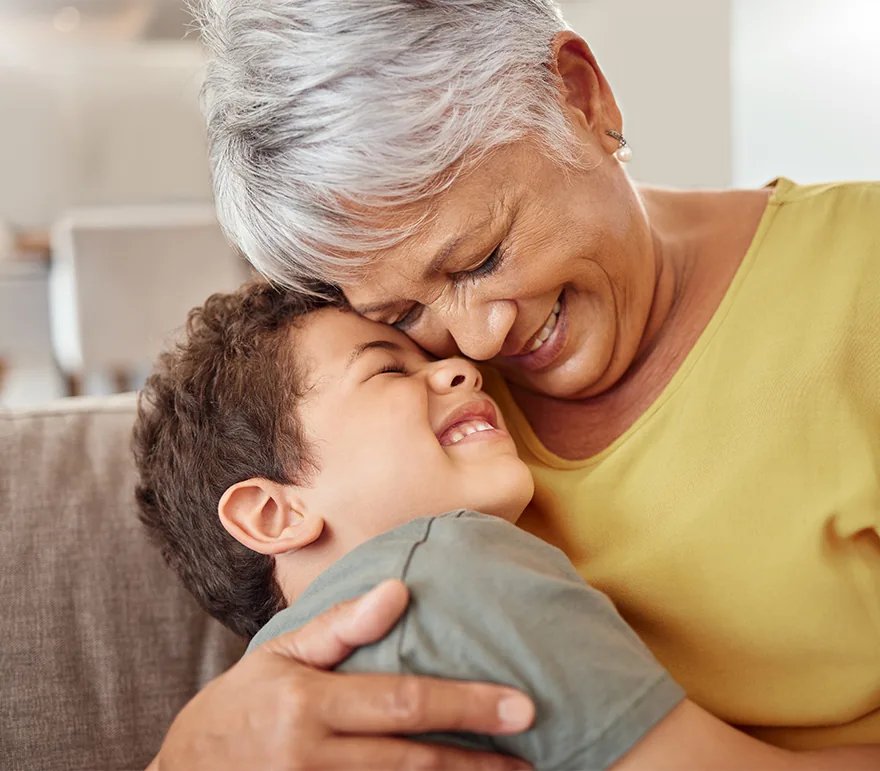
(360, 350)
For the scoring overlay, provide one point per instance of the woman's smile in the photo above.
(544, 347)
(548, 327)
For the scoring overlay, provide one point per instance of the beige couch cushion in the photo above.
(100, 645)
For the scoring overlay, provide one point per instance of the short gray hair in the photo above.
(322, 112)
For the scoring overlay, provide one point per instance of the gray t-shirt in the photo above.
(492, 603)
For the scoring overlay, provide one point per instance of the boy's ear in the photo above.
(268, 517)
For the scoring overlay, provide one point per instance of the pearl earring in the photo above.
(623, 153)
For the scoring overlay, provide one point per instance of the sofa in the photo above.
(100, 644)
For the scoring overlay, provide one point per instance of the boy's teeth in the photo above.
(468, 428)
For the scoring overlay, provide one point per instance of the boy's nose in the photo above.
(454, 374)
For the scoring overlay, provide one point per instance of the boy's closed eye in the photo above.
(391, 353)
(392, 368)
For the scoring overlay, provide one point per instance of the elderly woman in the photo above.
(694, 377)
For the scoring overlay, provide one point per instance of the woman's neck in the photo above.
(687, 242)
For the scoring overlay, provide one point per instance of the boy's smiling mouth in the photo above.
(472, 421)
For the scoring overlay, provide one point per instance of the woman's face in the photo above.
(546, 273)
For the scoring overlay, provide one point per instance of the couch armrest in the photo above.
(101, 645)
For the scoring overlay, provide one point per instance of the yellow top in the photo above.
(735, 525)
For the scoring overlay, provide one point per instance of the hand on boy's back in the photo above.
(276, 709)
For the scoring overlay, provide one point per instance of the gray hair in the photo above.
(322, 112)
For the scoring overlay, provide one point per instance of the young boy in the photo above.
(293, 455)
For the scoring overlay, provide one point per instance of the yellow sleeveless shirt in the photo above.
(735, 524)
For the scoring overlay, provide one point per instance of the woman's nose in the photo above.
(436, 340)
(455, 374)
(480, 333)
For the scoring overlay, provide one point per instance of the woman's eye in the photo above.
(409, 319)
(486, 268)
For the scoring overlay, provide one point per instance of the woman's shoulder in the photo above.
(829, 194)
(822, 219)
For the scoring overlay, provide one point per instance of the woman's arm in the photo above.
(691, 738)
(276, 709)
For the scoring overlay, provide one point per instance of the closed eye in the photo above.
(409, 319)
(390, 368)
(486, 268)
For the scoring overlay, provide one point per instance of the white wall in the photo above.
(134, 127)
(806, 90)
(33, 165)
(669, 64)
(100, 124)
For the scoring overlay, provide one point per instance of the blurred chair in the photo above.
(28, 375)
(122, 281)
(7, 243)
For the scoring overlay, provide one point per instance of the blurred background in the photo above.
(107, 233)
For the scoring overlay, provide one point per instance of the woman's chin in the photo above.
(567, 383)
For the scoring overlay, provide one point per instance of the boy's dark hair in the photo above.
(220, 408)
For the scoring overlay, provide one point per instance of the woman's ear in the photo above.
(267, 517)
(585, 92)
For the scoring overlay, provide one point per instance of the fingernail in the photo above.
(516, 712)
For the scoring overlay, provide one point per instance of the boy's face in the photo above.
(396, 435)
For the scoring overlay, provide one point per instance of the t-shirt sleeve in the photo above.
(492, 603)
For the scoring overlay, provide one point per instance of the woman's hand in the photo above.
(276, 710)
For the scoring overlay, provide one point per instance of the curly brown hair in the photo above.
(220, 408)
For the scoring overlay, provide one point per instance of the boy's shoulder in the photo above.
(457, 546)
(492, 603)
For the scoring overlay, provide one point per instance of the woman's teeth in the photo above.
(548, 328)
(467, 428)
